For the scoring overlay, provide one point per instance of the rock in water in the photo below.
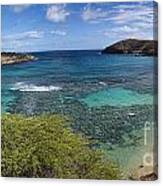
(11, 58)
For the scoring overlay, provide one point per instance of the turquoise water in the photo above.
(108, 98)
(56, 76)
(117, 97)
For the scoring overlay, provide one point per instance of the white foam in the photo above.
(21, 86)
(102, 83)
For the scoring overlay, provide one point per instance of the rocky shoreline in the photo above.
(133, 46)
(12, 58)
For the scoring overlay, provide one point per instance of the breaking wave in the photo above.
(102, 83)
(21, 86)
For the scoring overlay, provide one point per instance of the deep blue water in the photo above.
(75, 74)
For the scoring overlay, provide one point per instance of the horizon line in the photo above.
(82, 49)
(57, 50)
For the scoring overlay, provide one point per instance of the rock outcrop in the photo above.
(150, 177)
(133, 46)
(11, 58)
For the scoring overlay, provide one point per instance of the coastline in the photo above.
(12, 58)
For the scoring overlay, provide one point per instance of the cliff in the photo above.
(133, 46)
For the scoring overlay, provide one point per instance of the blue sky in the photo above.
(70, 26)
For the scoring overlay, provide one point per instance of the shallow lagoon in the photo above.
(117, 97)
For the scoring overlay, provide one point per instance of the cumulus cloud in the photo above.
(57, 13)
(93, 14)
(19, 8)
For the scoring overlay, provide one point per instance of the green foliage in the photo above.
(44, 146)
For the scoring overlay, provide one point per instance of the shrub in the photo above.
(44, 146)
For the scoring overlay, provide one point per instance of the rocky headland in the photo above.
(11, 58)
(133, 46)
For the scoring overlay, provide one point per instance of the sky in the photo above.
(74, 26)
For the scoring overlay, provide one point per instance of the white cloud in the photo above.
(118, 30)
(57, 13)
(119, 15)
(33, 34)
(19, 8)
(93, 15)
(21, 40)
(58, 32)
(130, 14)
(127, 29)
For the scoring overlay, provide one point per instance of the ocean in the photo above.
(108, 98)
